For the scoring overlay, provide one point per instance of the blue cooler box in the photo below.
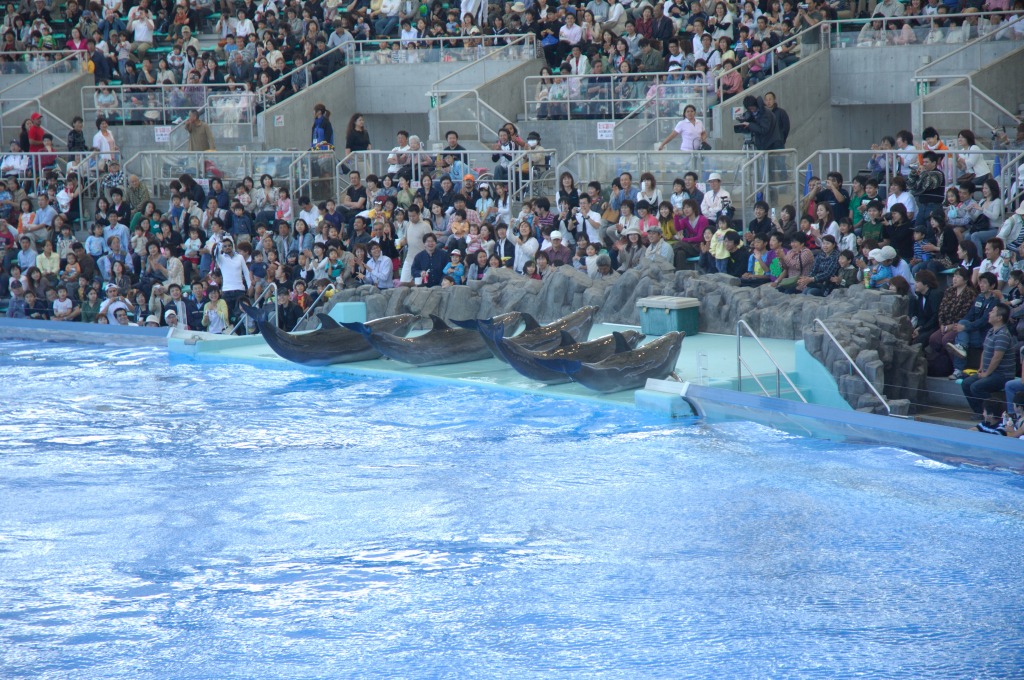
(662, 314)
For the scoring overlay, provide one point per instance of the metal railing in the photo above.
(164, 104)
(856, 368)
(469, 116)
(444, 50)
(741, 326)
(518, 47)
(841, 32)
(882, 165)
(996, 115)
(157, 168)
(477, 163)
(615, 96)
(266, 292)
(749, 176)
(51, 122)
(31, 63)
(313, 305)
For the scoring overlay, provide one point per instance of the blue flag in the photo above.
(807, 179)
(997, 168)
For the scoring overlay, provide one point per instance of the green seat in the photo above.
(693, 259)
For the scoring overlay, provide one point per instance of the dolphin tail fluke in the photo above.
(327, 322)
(468, 324)
(360, 328)
(256, 314)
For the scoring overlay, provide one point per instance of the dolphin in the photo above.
(543, 338)
(329, 344)
(511, 320)
(440, 345)
(526, 362)
(625, 370)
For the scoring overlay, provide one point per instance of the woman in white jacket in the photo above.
(526, 246)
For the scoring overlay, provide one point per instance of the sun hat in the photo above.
(1020, 210)
(875, 255)
(152, 319)
(518, 7)
(888, 253)
(714, 176)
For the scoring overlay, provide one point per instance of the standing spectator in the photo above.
(237, 281)
(322, 136)
(200, 136)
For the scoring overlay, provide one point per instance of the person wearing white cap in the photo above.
(455, 268)
(114, 301)
(659, 247)
(715, 198)
(171, 320)
(558, 253)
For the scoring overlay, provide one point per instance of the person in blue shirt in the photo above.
(455, 268)
(430, 262)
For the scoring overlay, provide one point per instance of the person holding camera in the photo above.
(759, 122)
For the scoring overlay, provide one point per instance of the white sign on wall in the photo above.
(605, 130)
(162, 133)
(278, 121)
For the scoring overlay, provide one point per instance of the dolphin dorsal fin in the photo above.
(529, 323)
(327, 322)
(566, 339)
(621, 344)
(438, 323)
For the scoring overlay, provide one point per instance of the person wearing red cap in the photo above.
(35, 132)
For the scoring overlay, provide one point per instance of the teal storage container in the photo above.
(348, 312)
(662, 314)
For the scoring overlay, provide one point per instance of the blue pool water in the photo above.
(180, 520)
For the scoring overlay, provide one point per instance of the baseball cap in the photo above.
(152, 319)
(456, 252)
(36, 116)
(169, 313)
(556, 235)
(468, 178)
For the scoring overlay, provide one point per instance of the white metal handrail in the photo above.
(64, 62)
(671, 89)
(742, 325)
(855, 367)
(271, 287)
(312, 306)
(922, 70)
(448, 48)
(476, 119)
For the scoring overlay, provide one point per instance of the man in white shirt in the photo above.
(141, 24)
(237, 281)
(907, 158)
(399, 156)
(890, 8)
(310, 214)
(715, 198)
(14, 164)
(415, 229)
(588, 219)
(378, 269)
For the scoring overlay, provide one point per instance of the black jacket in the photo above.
(926, 310)
(765, 128)
(782, 119)
(738, 261)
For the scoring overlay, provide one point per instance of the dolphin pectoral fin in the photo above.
(566, 366)
(566, 339)
(529, 323)
(327, 322)
(621, 344)
(357, 327)
(675, 376)
(468, 324)
(438, 323)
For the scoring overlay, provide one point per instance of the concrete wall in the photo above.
(334, 91)
(882, 75)
(809, 107)
(858, 127)
(63, 100)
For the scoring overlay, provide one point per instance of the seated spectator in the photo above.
(971, 329)
(998, 360)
